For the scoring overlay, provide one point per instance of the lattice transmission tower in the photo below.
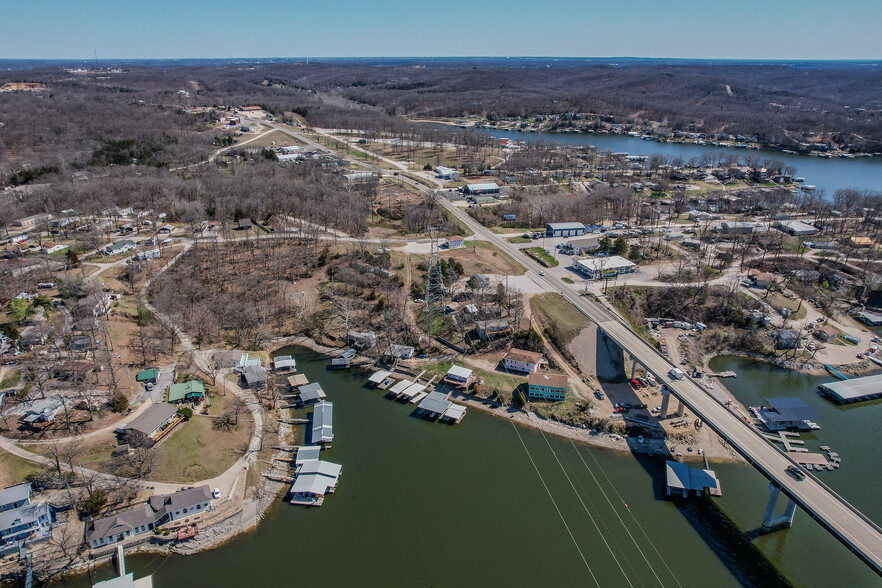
(435, 303)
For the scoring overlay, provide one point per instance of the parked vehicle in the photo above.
(599, 394)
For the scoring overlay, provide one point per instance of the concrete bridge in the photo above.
(861, 535)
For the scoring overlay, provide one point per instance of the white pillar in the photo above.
(681, 410)
(769, 518)
(787, 517)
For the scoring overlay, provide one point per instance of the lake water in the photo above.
(827, 174)
(486, 503)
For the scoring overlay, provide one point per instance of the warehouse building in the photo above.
(564, 230)
(604, 267)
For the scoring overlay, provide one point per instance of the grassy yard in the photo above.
(778, 301)
(14, 470)
(503, 384)
(519, 240)
(562, 320)
(197, 452)
(539, 254)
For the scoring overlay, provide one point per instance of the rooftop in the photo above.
(523, 356)
(152, 418)
(793, 409)
(16, 493)
(322, 423)
(681, 476)
(547, 380)
(435, 402)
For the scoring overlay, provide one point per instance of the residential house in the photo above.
(74, 370)
(479, 282)
(166, 229)
(13, 497)
(542, 386)
(454, 242)
(254, 377)
(32, 221)
(229, 359)
(34, 335)
(761, 280)
(180, 504)
(583, 246)
(795, 227)
(399, 352)
(118, 247)
(826, 334)
(491, 329)
(94, 305)
(158, 510)
(23, 522)
(786, 339)
(362, 340)
(120, 526)
(519, 360)
(42, 411)
(691, 243)
(147, 376)
(458, 377)
(244, 224)
(145, 428)
(154, 253)
(192, 391)
(52, 247)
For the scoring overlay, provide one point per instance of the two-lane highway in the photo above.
(845, 522)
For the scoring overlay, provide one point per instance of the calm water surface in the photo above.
(482, 503)
(827, 174)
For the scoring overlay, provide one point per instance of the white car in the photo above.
(541, 273)
(215, 493)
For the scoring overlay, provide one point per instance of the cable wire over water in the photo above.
(560, 514)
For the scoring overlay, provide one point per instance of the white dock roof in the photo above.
(400, 387)
(459, 372)
(413, 390)
(378, 377)
(322, 423)
(307, 453)
(435, 402)
(455, 412)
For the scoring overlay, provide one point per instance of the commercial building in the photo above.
(519, 360)
(564, 230)
(485, 189)
(446, 173)
(604, 267)
(736, 228)
(796, 228)
(583, 246)
(874, 319)
(854, 389)
(542, 386)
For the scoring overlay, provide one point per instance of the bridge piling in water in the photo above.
(771, 521)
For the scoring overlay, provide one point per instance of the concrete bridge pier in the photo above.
(666, 401)
(681, 410)
(633, 367)
(771, 521)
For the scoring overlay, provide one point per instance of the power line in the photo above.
(590, 516)
(562, 519)
(636, 521)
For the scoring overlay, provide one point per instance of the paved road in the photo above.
(844, 521)
(831, 510)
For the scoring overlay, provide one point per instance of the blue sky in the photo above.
(738, 29)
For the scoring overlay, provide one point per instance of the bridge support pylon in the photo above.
(773, 522)
(633, 367)
(666, 401)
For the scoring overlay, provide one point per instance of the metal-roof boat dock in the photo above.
(854, 390)
(681, 479)
(437, 405)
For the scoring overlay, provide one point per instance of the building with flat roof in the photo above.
(787, 413)
(796, 228)
(542, 386)
(854, 390)
(446, 173)
(322, 423)
(736, 228)
(315, 479)
(874, 319)
(458, 374)
(484, 188)
(595, 268)
(565, 229)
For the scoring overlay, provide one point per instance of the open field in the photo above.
(276, 137)
(14, 469)
(485, 258)
(539, 255)
(196, 451)
(562, 320)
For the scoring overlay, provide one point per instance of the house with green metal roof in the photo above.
(192, 391)
(148, 376)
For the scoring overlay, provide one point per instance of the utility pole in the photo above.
(435, 303)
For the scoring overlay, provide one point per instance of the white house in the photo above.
(454, 242)
(519, 360)
(51, 247)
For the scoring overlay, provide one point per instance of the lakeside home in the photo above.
(519, 360)
(542, 386)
